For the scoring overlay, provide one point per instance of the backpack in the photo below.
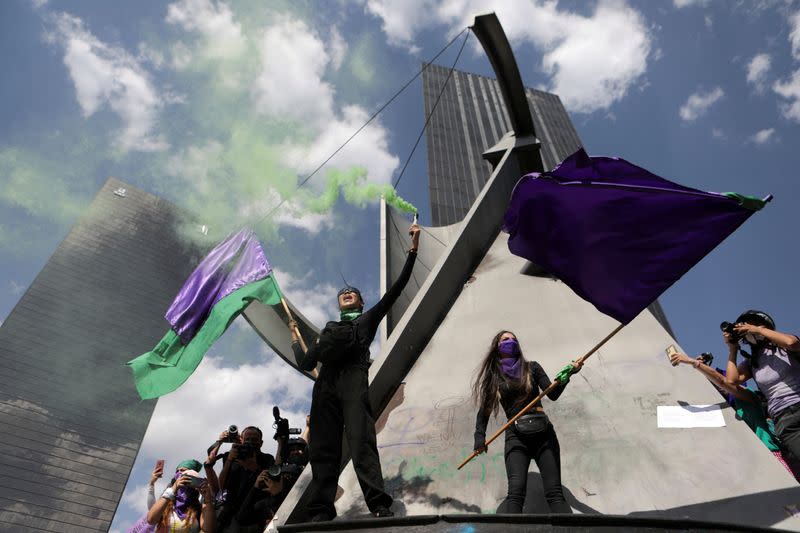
(339, 343)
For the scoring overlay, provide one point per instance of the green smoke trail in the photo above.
(352, 185)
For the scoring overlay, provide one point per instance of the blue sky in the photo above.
(220, 106)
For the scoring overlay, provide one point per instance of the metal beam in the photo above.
(490, 33)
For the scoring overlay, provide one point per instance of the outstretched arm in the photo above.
(372, 318)
(738, 392)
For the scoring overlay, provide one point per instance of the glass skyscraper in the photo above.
(71, 419)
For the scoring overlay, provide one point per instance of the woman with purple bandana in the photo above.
(506, 378)
(181, 508)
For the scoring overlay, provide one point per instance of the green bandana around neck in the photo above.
(350, 314)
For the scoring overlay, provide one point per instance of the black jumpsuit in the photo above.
(520, 449)
(340, 402)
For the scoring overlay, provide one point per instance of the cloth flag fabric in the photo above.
(235, 273)
(617, 234)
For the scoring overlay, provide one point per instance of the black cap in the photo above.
(753, 315)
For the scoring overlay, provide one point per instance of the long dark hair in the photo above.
(487, 381)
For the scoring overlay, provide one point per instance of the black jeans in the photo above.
(544, 449)
(787, 426)
(340, 404)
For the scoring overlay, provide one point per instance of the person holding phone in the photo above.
(158, 471)
(187, 505)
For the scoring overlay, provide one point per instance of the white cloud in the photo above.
(214, 21)
(181, 56)
(108, 75)
(193, 164)
(717, 133)
(709, 22)
(338, 47)
(317, 303)
(242, 395)
(291, 85)
(591, 60)
(689, 3)
(757, 70)
(15, 288)
(699, 102)
(794, 34)
(789, 89)
(762, 136)
(369, 149)
(136, 497)
(293, 63)
(148, 54)
(292, 214)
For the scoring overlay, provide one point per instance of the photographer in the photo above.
(263, 500)
(240, 468)
(745, 402)
(292, 454)
(773, 364)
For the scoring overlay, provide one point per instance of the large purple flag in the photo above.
(617, 234)
(232, 264)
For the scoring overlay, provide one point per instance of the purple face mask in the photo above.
(509, 347)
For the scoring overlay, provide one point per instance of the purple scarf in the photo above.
(511, 367)
(185, 499)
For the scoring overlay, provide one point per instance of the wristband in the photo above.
(169, 494)
(209, 464)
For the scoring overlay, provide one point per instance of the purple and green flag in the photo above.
(617, 234)
(235, 273)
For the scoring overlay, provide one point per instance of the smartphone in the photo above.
(160, 465)
(671, 349)
(196, 482)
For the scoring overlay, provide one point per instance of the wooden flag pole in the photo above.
(541, 395)
(296, 329)
(299, 336)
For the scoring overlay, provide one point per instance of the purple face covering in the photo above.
(185, 498)
(509, 347)
(511, 367)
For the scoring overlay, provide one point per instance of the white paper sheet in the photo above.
(690, 416)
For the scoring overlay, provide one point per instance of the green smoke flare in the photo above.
(357, 191)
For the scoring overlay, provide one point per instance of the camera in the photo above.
(281, 426)
(706, 358)
(284, 470)
(727, 327)
(244, 451)
(233, 434)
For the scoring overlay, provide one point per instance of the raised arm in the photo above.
(735, 375)
(787, 341)
(371, 318)
(738, 392)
